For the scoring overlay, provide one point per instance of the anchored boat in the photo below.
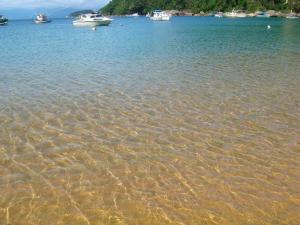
(42, 19)
(92, 19)
(159, 15)
(219, 14)
(235, 14)
(134, 15)
(3, 20)
(261, 14)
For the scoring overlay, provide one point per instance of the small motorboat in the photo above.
(92, 19)
(235, 14)
(41, 19)
(159, 15)
(231, 14)
(134, 15)
(219, 15)
(3, 20)
(261, 14)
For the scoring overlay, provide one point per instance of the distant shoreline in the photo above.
(183, 13)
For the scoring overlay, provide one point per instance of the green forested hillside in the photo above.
(119, 7)
(78, 13)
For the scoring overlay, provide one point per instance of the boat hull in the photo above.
(3, 22)
(218, 15)
(263, 16)
(163, 18)
(234, 14)
(229, 15)
(133, 15)
(91, 23)
(42, 22)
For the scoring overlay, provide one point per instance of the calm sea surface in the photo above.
(192, 121)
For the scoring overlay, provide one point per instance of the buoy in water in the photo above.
(269, 27)
(94, 28)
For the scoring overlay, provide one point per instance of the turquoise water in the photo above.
(191, 121)
(129, 49)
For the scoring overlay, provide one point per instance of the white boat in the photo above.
(3, 20)
(261, 14)
(292, 15)
(148, 15)
(92, 19)
(41, 19)
(134, 15)
(219, 14)
(159, 15)
(231, 14)
(235, 14)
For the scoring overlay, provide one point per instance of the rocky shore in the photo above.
(272, 13)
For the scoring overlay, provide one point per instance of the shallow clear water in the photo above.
(192, 121)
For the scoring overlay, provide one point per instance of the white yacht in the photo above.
(235, 14)
(159, 15)
(41, 19)
(3, 20)
(231, 14)
(92, 19)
